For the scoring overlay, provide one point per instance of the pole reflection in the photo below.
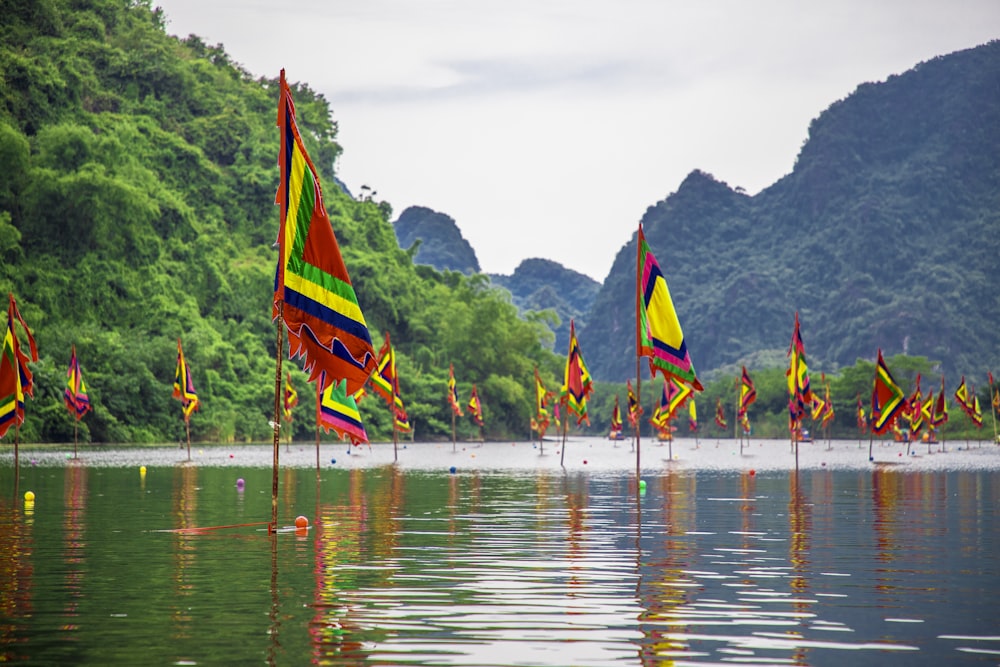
(74, 528)
(800, 531)
(664, 584)
(16, 579)
(185, 505)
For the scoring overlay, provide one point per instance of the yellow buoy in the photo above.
(142, 470)
(29, 496)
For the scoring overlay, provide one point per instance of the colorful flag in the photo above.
(927, 410)
(401, 421)
(338, 410)
(720, 414)
(692, 416)
(577, 384)
(658, 332)
(799, 393)
(475, 407)
(385, 380)
(887, 398)
(915, 415)
(16, 379)
(634, 409)
(456, 408)
(540, 421)
(677, 394)
(818, 408)
(828, 411)
(748, 393)
(291, 397)
(616, 419)
(940, 408)
(862, 418)
(75, 395)
(976, 413)
(745, 423)
(994, 393)
(313, 293)
(661, 415)
(962, 396)
(184, 385)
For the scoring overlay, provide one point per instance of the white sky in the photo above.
(546, 128)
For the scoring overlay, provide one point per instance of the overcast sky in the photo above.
(546, 128)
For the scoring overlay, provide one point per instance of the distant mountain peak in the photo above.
(441, 242)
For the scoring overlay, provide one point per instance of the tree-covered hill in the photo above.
(137, 208)
(536, 285)
(885, 235)
(441, 243)
(541, 284)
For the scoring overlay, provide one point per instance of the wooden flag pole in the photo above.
(993, 410)
(392, 411)
(319, 395)
(562, 455)
(276, 441)
(638, 356)
(737, 431)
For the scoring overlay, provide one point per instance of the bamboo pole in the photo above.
(319, 392)
(638, 374)
(276, 442)
(562, 454)
(993, 411)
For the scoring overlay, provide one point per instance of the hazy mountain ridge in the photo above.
(884, 235)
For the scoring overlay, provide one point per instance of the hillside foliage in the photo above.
(137, 208)
(884, 235)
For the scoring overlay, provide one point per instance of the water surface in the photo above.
(876, 566)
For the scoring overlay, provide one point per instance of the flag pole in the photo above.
(993, 409)
(392, 410)
(871, 421)
(276, 441)
(638, 374)
(319, 393)
(562, 454)
(454, 440)
(737, 432)
(187, 429)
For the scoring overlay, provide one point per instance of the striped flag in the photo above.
(16, 379)
(658, 332)
(577, 383)
(453, 392)
(887, 398)
(291, 397)
(75, 396)
(338, 410)
(313, 293)
(475, 407)
(184, 384)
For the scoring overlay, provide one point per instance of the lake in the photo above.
(878, 564)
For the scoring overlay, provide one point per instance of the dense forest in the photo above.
(137, 208)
